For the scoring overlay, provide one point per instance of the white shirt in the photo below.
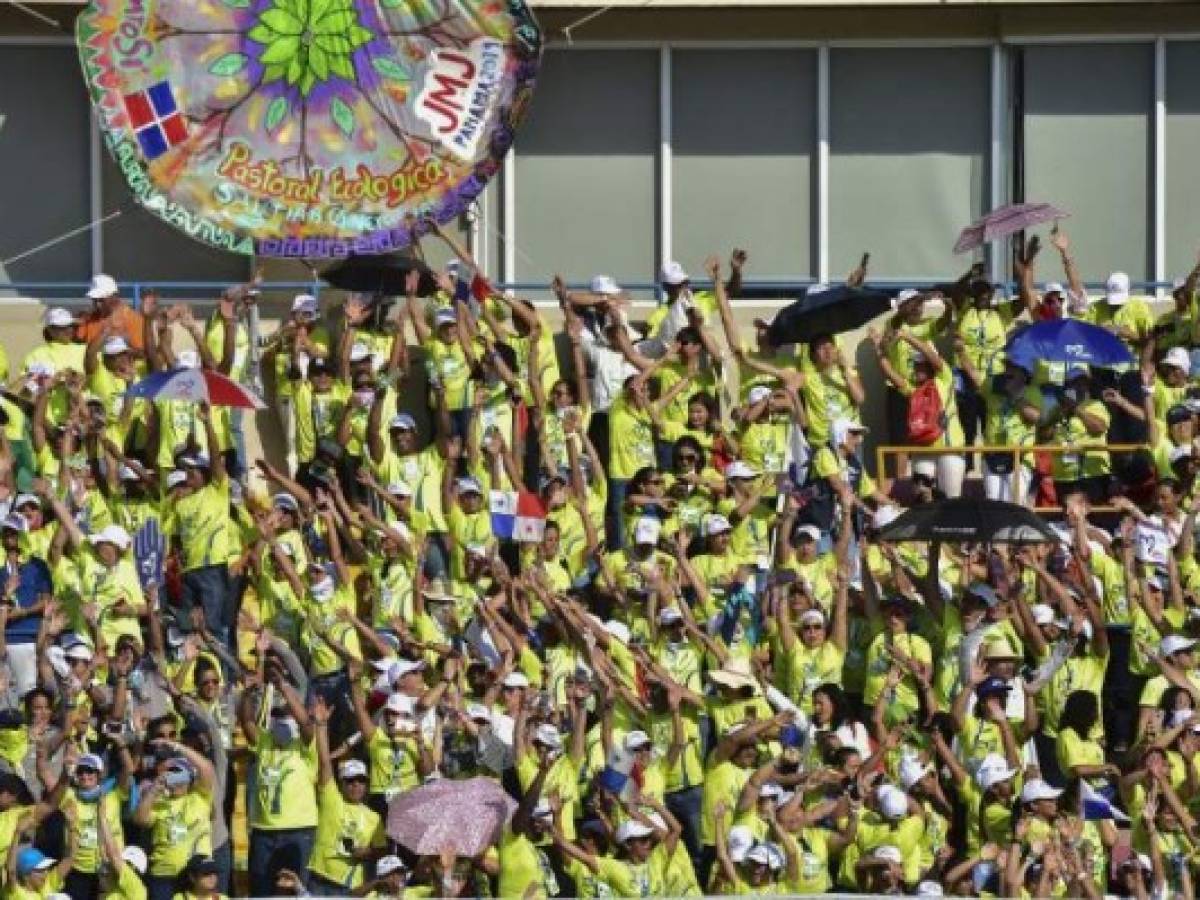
(610, 369)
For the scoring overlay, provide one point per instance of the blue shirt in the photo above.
(33, 581)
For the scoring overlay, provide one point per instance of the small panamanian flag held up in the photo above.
(517, 516)
(155, 119)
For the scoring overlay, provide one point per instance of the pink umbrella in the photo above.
(1005, 221)
(466, 815)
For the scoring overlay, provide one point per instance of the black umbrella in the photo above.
(830, 311)
(966, 520)
(382, 275)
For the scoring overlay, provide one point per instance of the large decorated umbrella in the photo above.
(308, 128)
(973, 521)
(195, 386)
(1006, 220)
(832, 310)
(466, 815)
(1068, 341)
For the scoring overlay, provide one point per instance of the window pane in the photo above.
(909, 139)
(1183, 150)
(586, 168)
(1087, 149)
(743, 138)
(44, 157)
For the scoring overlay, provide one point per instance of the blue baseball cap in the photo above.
(1076, 372)
(990, 686)
(31, 859)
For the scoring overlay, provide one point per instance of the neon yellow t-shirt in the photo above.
(339, 822)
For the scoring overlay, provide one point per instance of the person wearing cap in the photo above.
(200, 878)
(282, 815)
(682, 306)
(891, 819)
(1128, 317)
(837, 472)
(1172, 438)
(1170, 384)
(535, 746)
(317, 403)
(24, 596)
(978, 328)
(679, 379)
(176, 811)
(927, 372)
(397, 752)
(908, 319)
(85, 799)
(110, 315)
(525, 870)
(1078, 421)
(450, 352)
(123, 870)
(109, 369)
(645, 844)
(896, 648)
(60, 349)
(349, 833)
(300, 340)
(764, 424)
(984, 728)
(104, 565)
(29, 873)
(633, 421)
(817, 654)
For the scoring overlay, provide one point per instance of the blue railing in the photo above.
(70, 292)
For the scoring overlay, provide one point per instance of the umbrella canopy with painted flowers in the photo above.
(381, 275)
(970, 520)
(465, 815)
(196, 386)
(831, 310)
(1068, 341)
(1006, 220)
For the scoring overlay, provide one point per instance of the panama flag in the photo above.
(1097, 806)
(517, 516)
(155, 119)
(621, 776)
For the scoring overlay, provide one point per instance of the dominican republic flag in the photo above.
(621, 776)
(155, 119)
(1097, 806)
(517, 516)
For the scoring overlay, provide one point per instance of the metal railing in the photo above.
(753, 292)
(886, 451)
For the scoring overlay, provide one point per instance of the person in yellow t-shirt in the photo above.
(197, 518)
(1079, 422)
(349, 833)
(177, 810)
(121, 875)
(632, 420)
(32, 875)
(284, 766)
(525, 871)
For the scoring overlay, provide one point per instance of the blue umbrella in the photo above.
(1068, 341)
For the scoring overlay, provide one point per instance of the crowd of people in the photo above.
(693, 665)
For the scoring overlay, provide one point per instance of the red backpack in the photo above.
(926, 416)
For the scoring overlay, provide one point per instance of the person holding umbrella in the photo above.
(928, 384)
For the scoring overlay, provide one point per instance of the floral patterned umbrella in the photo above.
(466, 815)
(308, 128)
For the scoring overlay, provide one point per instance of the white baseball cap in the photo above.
(352, 768)
(669, 614)
(605, 285)
(740, 469)
(404, 421)
(904, 296)
(672, 273)
(638, 740)
(102, 287)
(468, 485)
(359, 352)
(1037, 789)
(886, 515)
(111, 534)
(1179, 358)
(115, 346)
(893, 802)
(631, 829)
(176, 478)
(843, 428)
(925, 467)
(739, 842)
(305, 304)
(619, 630)
(136, 857)
(1042, 614)
(1116, 289)
(716, 524)
(548, 736)
(387, 865)
(188, 359)
(889, 853)
(1174, 643)
(758, 394)
(912, 770)
(515, 680)
(57, 317)
(812, 532)
(1054, 287)
(401, 704)
(647, 530)
(992, 770)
